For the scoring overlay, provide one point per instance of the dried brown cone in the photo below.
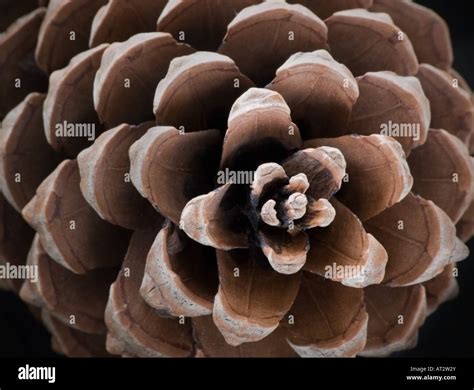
(210, 178)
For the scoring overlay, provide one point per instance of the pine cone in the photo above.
(263, 182)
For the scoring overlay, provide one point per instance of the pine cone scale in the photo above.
(267, 175)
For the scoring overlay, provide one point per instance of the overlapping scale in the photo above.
(179, 19)
(106, 183)
(64, 32)
(128, 75)
(419, 238)
(378, 175)
(428, 32)
(391, 105)
(15, 240)
(72, 342)
(134, 328)
(273, 32)
(345, 246)
(180, 275)
(245, 307)
(70, 120)
(260, 130)
(211, 343)
(118, 20)
(319, 91)
(369, 42)
(325, 8)
(327, 319)
(25, 156)
(301, 259)
(19, 74)
(70, 230)
(447, 181)
(393, 327)
(451, 106)
(76, 300)
(198, 91)
(169, 180)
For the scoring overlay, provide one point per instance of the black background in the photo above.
(449, 332)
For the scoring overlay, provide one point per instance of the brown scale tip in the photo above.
(375, 43)
(386, 333)
(76, 300)
(70, 231)
(174, 285)
(135, 328)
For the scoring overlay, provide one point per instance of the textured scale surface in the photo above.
(233, 178)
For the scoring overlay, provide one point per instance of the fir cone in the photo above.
(233, 178)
